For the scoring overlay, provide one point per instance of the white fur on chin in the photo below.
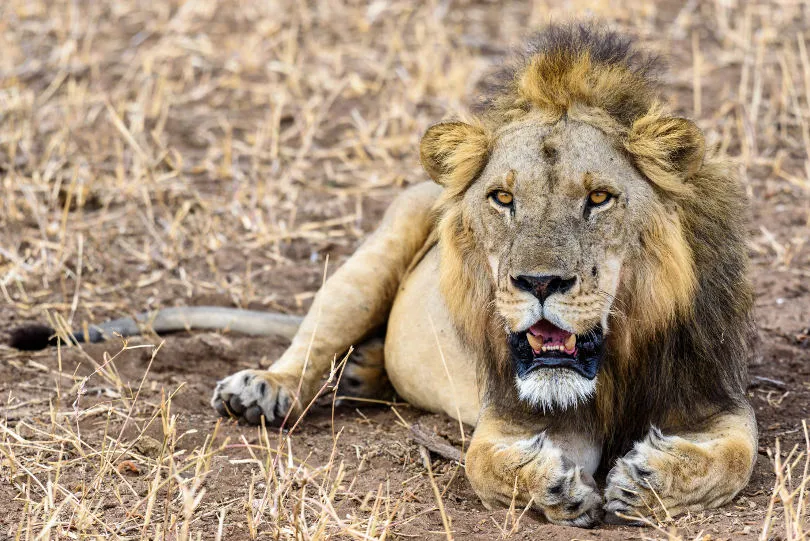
(555, 388)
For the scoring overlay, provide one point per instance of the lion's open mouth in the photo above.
(545, 345)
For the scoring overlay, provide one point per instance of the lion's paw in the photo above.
(557, 487)
(572, 498)
(250, 394)
(638, 484)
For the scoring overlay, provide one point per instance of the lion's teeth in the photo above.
(571, 342)
(537, 345)
(536, 342)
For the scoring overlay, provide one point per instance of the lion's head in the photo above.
(568, 215)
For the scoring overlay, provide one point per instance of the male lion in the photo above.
(573, 284)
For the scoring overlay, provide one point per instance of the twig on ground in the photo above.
(434, 443)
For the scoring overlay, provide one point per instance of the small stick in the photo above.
(435, 443)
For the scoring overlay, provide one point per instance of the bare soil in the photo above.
(227, 209)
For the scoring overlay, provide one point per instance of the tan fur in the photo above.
(688, 472)
(424, 355)
(667, 149)
(509, 463)
(660, 285)
(661, 266)
(454, 152)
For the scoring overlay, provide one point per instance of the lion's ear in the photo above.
(454, 151)
(666, 146)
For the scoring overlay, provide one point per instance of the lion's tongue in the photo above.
(544, 333)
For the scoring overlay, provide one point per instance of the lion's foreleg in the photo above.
(507, 463)
(351, 304)
(670, 473)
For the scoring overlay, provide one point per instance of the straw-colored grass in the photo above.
(160, 153)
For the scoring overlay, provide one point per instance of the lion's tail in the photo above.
(34, 337)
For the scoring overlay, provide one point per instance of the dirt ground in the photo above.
(207, 152)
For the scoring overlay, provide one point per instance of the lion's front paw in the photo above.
(535, 470)
(572, 498)
(250, 394)
(639, 484)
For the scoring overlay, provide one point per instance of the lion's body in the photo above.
(425, 359)
(574, 285)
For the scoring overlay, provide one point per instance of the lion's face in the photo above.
(557, 210)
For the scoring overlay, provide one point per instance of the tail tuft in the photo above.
(32, 337)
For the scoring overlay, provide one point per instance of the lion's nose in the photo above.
(543, 286)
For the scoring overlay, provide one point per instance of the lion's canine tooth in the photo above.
(536, 342)
(571, 342)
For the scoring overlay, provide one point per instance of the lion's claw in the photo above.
(635, 487)
(251, 395)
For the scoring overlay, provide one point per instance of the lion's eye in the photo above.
(502, 198)
(598, 198)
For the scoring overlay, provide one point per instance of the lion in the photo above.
(573, 284)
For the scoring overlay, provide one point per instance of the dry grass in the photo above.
(162, 152)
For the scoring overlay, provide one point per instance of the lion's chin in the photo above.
(554, 368)
(555, 389)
